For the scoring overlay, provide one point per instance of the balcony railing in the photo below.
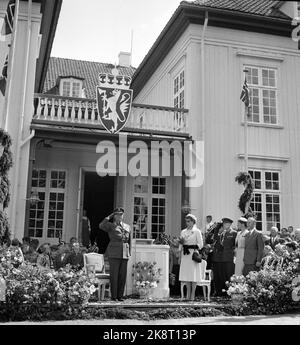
(80, 111)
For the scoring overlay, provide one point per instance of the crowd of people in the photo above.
(49, 256)
(231, 251)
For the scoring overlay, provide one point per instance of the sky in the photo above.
(97, 30)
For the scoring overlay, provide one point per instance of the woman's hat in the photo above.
(242, 220)
(227, 220)
(119, 210)
(191, 216)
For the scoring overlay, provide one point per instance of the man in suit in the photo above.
(274, 237)
(223, 254)
(254, 248)
(118, 251)
(207, 226)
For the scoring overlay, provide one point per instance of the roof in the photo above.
(86, 70)
(247, 15)
(257, 7)
(51, 11)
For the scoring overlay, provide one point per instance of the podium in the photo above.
(141, 251)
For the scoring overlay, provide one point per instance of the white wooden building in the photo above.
(187, 87)
(208, 44)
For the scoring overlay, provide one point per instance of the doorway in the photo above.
(98, 202)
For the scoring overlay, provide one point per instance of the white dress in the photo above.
(239, 260)
(190, 271)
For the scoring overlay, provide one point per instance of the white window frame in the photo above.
(261, 88)
(180, 92)
(47, 190)
(264, 191)
(72, 81)
(150, 196)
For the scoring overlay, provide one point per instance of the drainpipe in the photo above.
(32, 134)
(203, 105)
(19, 141)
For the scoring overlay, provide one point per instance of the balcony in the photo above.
(81, 112)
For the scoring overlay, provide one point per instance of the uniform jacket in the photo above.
(254, 247)
(224, 249)
(118, 235)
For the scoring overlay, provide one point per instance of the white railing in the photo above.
(84, 111)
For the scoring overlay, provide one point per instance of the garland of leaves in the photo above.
(4, 227)
(4, 191)
(6, 163)
(245, 199)
(6, 160)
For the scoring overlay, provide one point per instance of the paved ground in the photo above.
(289, 319)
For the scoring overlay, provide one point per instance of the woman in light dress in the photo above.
(240, 246)
(190, 271)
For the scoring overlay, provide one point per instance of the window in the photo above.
(266, 200)
(71, 87)
(46, 218)
(149, 207)
(262, 83)
(179, 90)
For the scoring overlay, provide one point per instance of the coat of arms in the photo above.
(114, 100)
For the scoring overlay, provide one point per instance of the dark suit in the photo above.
(118, 252)
(222, 258)
(254, 250)
(273, 241)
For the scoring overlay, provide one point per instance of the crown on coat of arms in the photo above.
(114, 80)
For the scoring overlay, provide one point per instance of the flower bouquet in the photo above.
(146, 277)
(237, 288)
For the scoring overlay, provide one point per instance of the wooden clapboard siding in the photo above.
(226, 51)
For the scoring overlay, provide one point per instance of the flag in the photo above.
(7, 27)
(4, 77)
(245, 94)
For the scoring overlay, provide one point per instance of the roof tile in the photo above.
(265, 8)
(88, 70)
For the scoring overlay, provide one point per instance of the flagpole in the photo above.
(246, 131)
(246, 139)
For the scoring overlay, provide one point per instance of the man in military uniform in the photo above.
(118, 251)
(223, 254)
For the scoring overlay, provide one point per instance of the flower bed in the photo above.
(265, 292)
(30, 289)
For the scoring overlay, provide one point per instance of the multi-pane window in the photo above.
(140, 207)
(266, 200)
(179, 90)
(262, 83)
(297, 12)
(149, 207)
(71, 88)
(55, 215)
(46, 217)
(158, 206)
(36, 217)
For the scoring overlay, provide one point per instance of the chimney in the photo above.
(124, 59)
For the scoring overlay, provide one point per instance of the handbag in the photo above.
(197, 257)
